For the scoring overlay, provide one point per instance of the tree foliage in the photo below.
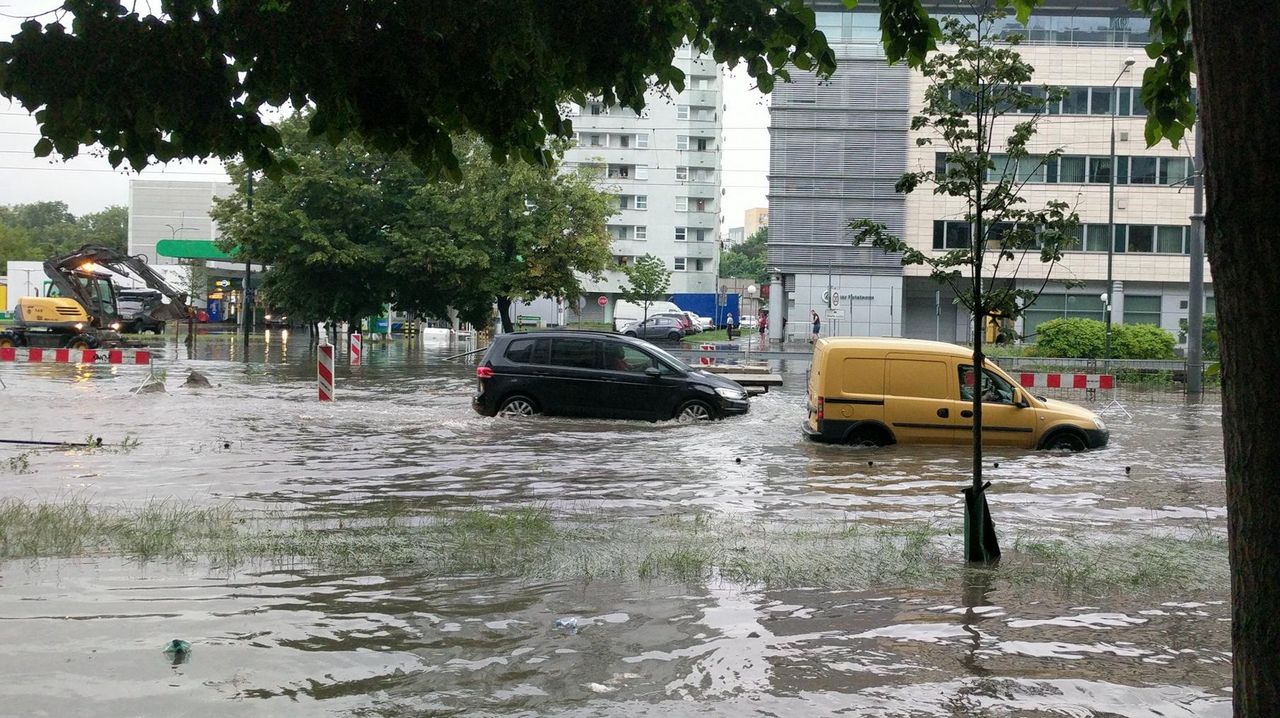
(40, 230)
(1085, 339)
(747, 260)
(647, 282)
(193, 78)
(354, 229)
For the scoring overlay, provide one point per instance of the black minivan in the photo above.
(578, 373)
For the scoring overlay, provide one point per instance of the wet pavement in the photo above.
(86, 634)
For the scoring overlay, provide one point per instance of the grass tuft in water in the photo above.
(532, 542)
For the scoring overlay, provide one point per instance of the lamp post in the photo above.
(1111, 209)
(751, 295)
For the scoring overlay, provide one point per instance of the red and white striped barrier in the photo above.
(37, 355)
(324, 372)
(356, 349)
(1066, 381)
(706, 361)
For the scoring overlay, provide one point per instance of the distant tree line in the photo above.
(40, 230)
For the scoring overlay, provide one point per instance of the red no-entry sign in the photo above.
(603, 300)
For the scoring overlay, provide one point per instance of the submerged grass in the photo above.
(532, 542)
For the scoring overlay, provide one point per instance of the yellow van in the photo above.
(872, 391)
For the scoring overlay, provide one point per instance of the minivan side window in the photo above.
(574, 353)
(620, 357)
(520, 351)
(994, 389)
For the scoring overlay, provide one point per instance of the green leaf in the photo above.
(43, 148)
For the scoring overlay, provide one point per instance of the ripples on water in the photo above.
(402, 429)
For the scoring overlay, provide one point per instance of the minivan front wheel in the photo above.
(515, 406)
(1065, 441)
(694, 410)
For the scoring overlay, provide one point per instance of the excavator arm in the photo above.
(61, 273)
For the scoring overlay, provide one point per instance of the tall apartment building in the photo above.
(663, 166)
(839, 146)
(753, 219)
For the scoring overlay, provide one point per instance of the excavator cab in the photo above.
(99, 293)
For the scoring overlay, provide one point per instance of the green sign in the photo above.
(192, 249)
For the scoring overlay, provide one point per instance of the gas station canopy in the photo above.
(192, 249)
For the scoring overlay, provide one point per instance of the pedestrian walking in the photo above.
(764, 324)
(817, 325)
(728, 326)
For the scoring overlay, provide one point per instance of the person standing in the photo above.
(764, 324)
(728, 326)
(817, 325)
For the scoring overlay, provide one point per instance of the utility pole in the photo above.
(1195, 303)
(1111, 214)
(246, 309)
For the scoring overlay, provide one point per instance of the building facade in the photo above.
(664, 167)
(753, 219)
(838, 146)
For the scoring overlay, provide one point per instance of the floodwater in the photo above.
(85, 635)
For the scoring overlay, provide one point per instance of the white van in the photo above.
(625, 312)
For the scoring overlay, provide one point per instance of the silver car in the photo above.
(660, 328)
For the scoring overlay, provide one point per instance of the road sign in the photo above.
(835, 314)
(835, 299)
(603, 300)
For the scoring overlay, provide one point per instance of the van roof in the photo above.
(894, 344)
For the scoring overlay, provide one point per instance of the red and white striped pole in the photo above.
(324, 371)
(355, 349)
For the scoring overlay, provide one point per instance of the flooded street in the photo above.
(85, 635)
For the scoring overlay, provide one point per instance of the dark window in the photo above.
(520, 351)
(1096, 238)
(1101, 103)
(1126, 101)
(1122, 170)
(1121, 232)
(575, 353)
(1076, 102)
(1142, 170)
(951, 235)
(1173, 170)
(1169, 239)
(1100, 170)
(1141, 309)
(620, 357)
(1071, 169)
(1142, 238)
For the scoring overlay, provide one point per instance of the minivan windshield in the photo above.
(674, 362)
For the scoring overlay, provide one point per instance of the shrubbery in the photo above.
(1086, 338)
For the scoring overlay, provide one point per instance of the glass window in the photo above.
(642, 140)
(1142, 170)
(642, 172)
(1101, 101)
(642, 201)
(1071, 169)
(682, 234)
(678, 264)
(575, 353)
(1096, 238)
(1139, 109)
(1142, 238)
(1038, 93)
(682, 204)
(620, 357)
(520, 351)
(682, 112)
(1125, 96)
(1100, 170)
(1139, 309)
(682, 142)
(1174, 170)
(1121, 233)
(682, 174)
(939, 234)
(1076, 102)
(1169, 239)
(994, 389)
(642, 232)
(951, 235)
(1122, 170)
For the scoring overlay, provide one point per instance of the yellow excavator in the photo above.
(79, 311)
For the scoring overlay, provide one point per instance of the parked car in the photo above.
(887, 391)
(695, 322)
(749, 322)
(708, 324)
(625, 312)
(659, 328)
(575, 373)
(681, 318)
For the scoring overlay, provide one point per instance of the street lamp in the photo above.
(1111, 207)
(751, 295)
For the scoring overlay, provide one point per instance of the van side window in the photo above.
(994, 389)
(520, 351)
(620, 357)
(574, 353)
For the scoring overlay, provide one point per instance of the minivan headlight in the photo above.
(735, 394)
(1102, 425)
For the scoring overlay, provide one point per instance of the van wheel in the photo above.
(867, 437)
(694, 410)
(517, 406)
(1065, 441)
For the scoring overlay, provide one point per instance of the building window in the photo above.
(678, 264)
(1100, 101)
(700, 205)
(1174, 170)
(702, 144)
(951, 235)
(1142, 170)
(642, 201)
(682, 174)
(682, 203)
(624, 140)
(1100, 170)
(682, 112)
(682, 234)
(642, 141)
(595, 108)
(1142, 238)
(1140, 309)
(697, 265)
(642, 172)
(1071, 169)
(595, 140)
(682, 142)
(642, 232)
(1095, 238)
(1171, 240)
(1076, 102)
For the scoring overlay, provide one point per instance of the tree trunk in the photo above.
(1238, 51)
(504, 313)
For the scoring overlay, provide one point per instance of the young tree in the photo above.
(747, 259)
(976, 92)
(647, 282)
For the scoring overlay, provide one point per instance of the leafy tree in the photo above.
(193, 80)
(16, 245)
(747, 259)
(970, 89)
(108, 228)
(52, 230)
(1209, 335)
(356, 228)
(647, 282)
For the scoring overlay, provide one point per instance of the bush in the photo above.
(1087, 339)
(1073, 338)
(1141, 341)
(1208, 336)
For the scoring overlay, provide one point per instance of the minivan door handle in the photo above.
(967, 413)
(943, 413)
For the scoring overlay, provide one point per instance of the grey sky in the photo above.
(88, 183)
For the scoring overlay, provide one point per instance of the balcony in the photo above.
(700, 250)
(704, 98)
(699, 188)
(709, 159)
(701, 220)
